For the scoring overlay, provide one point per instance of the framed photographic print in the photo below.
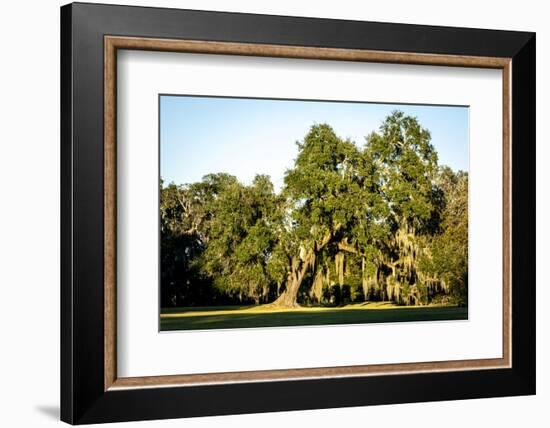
(266, 213)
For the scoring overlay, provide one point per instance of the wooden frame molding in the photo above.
(113, 43)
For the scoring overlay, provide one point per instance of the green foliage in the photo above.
(447, 252)
(406, 164)
(318, 184)
(381, 222)
(240, 234)
(181, 282)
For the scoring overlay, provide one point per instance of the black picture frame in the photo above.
(83, 398)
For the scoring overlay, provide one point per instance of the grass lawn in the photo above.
(213, 317)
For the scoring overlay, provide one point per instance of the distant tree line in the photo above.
(382, 222)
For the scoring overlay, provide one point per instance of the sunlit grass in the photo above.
(222, 317)
(262, 309)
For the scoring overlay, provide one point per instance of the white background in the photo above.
(29, 218)
(142, 351)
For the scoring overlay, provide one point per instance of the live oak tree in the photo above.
(240, 234)
(378, 222)
(315, 192)
(406, 164)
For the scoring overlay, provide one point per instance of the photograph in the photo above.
(264, 214)
(283, 212)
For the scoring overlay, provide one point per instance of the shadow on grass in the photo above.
(302, 318)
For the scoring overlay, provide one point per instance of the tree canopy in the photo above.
(379, 222)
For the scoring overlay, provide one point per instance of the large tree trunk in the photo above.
(299, 267)
(289, 297)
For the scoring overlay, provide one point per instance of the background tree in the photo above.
(445, 261)
(241, 230)
(180, 242)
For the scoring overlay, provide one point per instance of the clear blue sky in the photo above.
(245, 137)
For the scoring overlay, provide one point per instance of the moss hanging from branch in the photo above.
(339, 260)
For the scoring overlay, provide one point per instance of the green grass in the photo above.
(206, 318)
